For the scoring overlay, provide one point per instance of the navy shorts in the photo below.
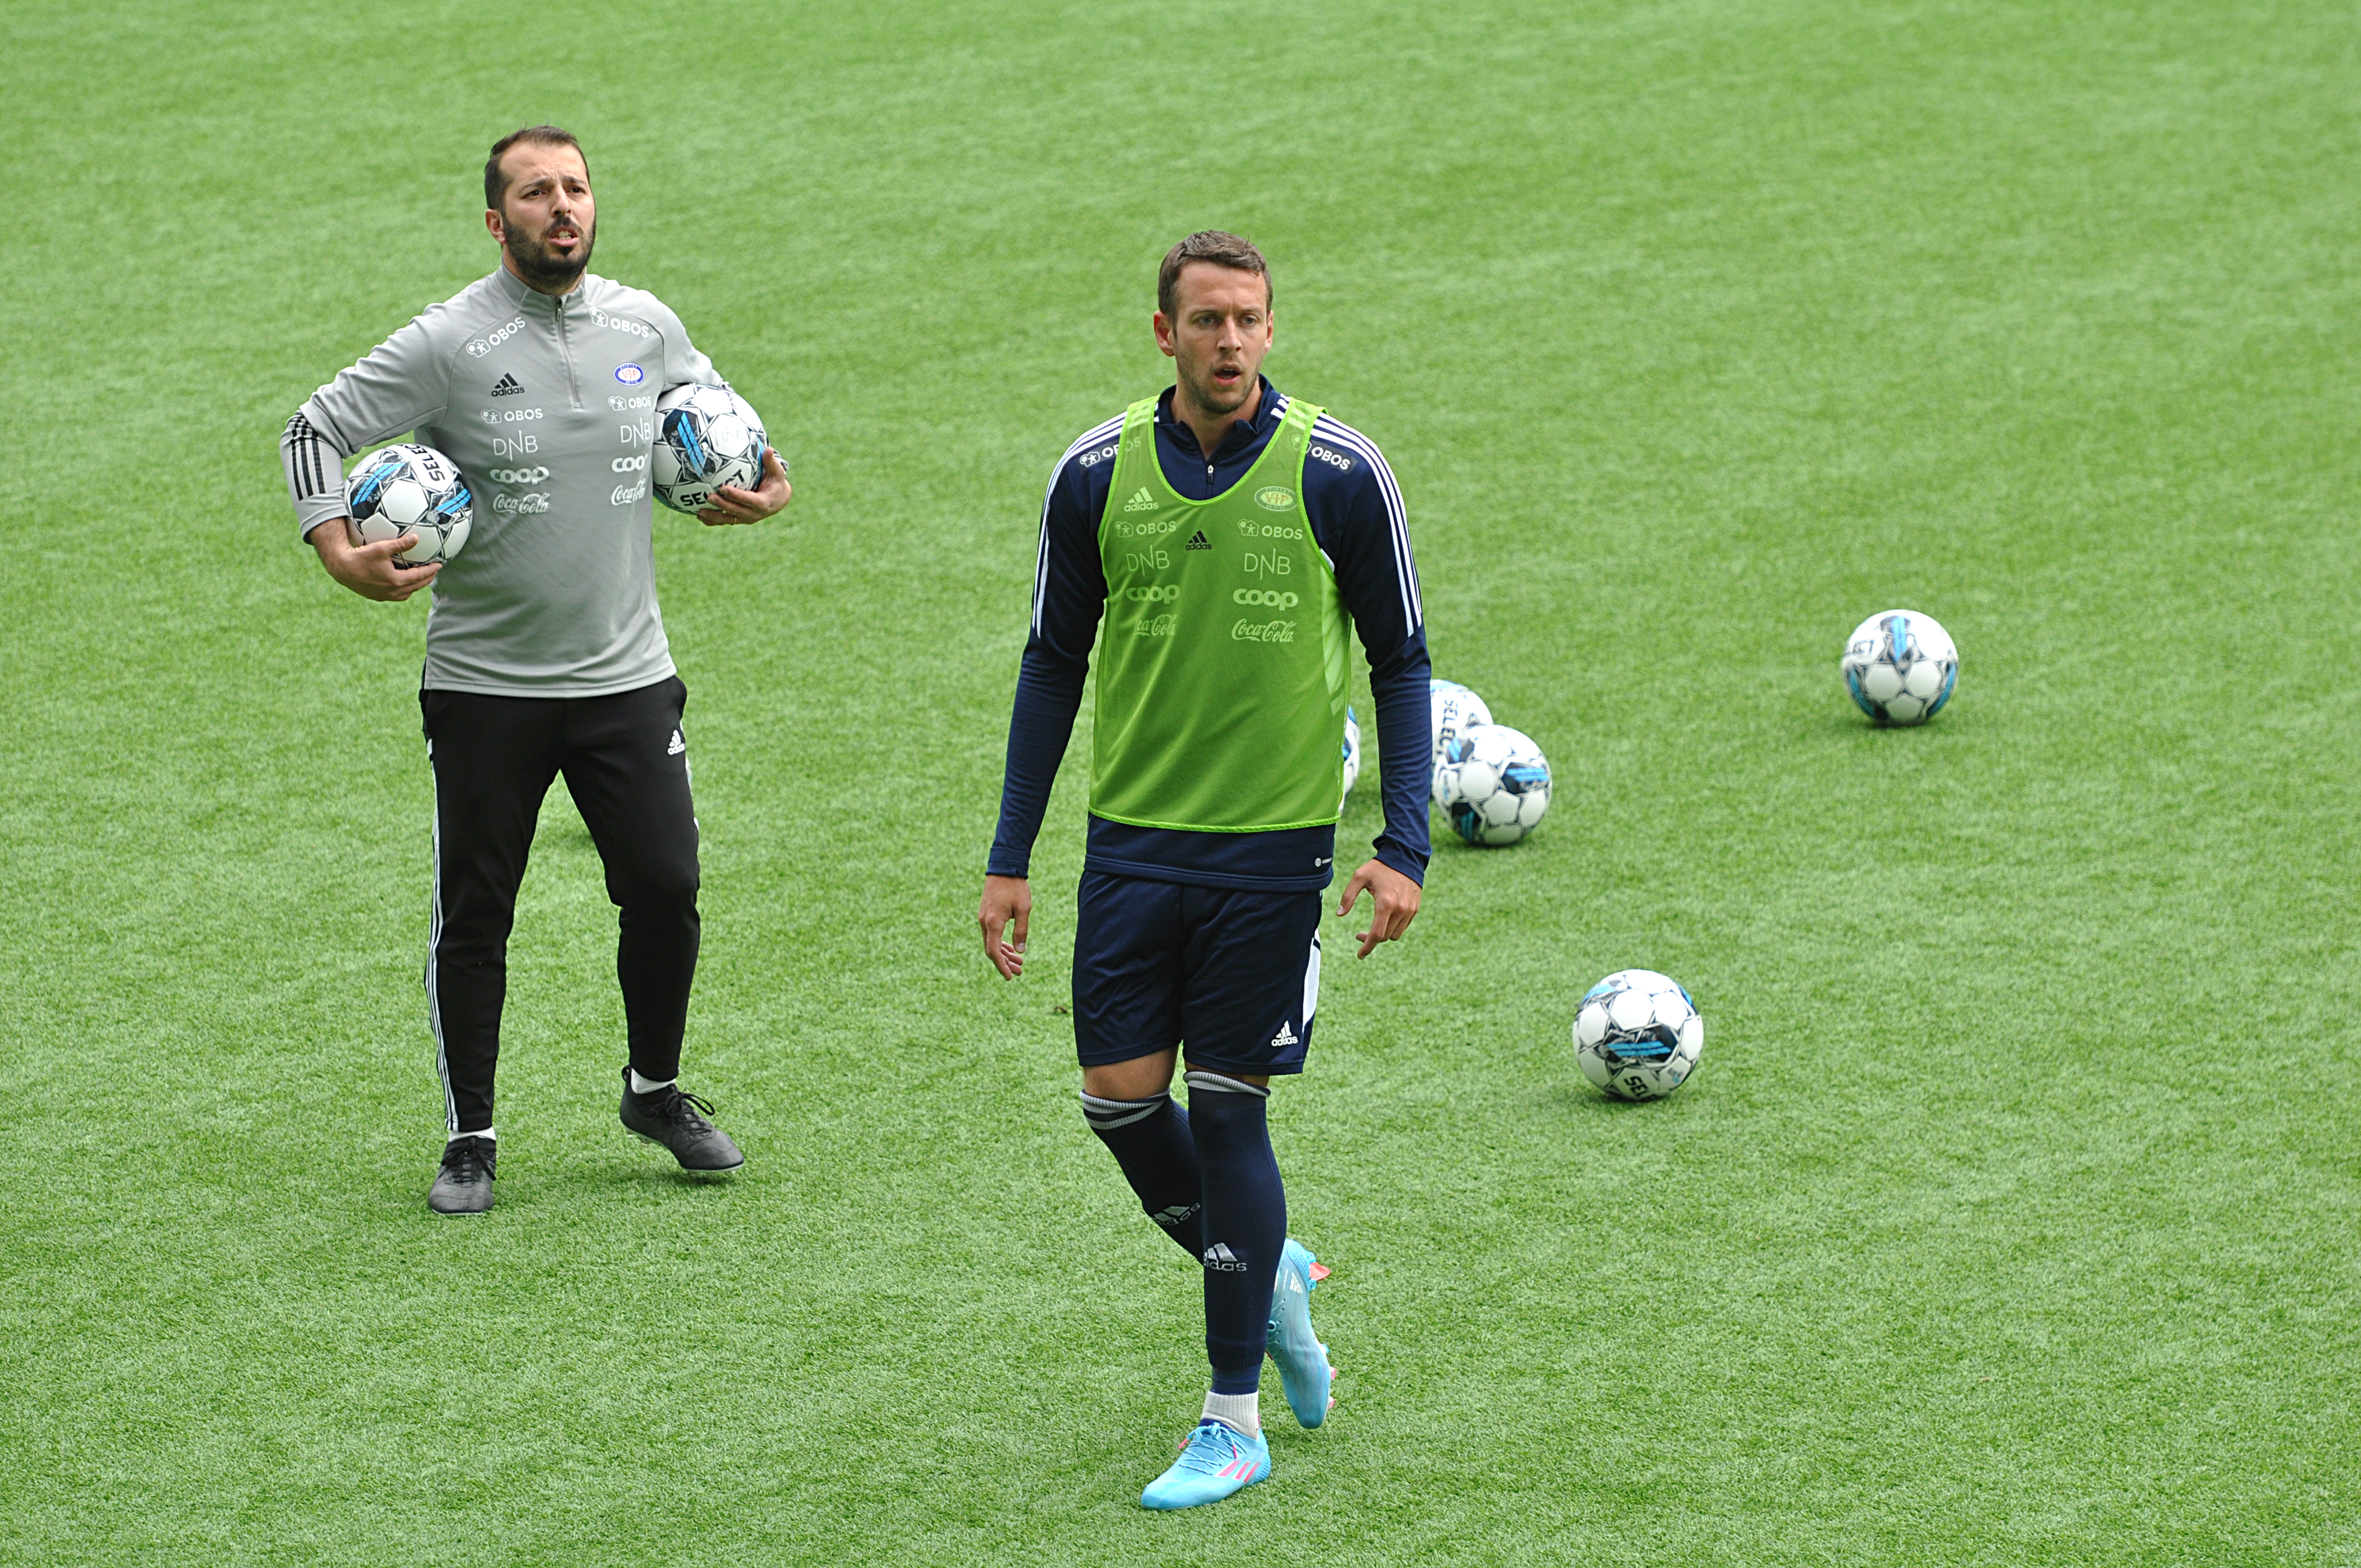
(1231, 977)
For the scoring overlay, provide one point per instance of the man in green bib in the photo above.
(1231, 540)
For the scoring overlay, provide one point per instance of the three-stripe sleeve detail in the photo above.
(1089, 438)
(306, 454)
(1397, 522)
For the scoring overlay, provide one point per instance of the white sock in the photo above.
(487, 1133)
(649, 1085)
(1242, 1411)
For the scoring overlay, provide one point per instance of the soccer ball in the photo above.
(1900, 666)
(407, 488)
(1454, 709)
(1637, 1034)
(706, 437)
(1494, 782)
(1352, 750)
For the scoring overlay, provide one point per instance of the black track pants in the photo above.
(627, 768)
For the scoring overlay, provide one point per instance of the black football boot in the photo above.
(464, 1185)
(678, 1122)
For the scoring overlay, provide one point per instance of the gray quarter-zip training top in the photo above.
(547, 404)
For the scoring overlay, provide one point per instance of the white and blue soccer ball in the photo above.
(1453, 708)
(409, 489)
(1638, 1034)
(1493, 782)
(1900, 666)
(706, 437)
(1352, 752)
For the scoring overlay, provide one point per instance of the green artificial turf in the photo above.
(2010, 1218)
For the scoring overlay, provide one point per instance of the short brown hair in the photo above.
(1218, 246)
(495, 185)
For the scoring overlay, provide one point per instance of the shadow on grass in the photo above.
(654, 1178)
(1585, 1101)
(1848, 723)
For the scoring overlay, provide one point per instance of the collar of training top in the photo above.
(532, 300)
(1242, 432)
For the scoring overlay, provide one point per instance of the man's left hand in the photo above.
(731, 504)
(1396, 905)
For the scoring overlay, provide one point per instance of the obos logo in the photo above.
(1155, 592)
(630, 375)
(1275, 498)
(480, 346)
(518, 476)
(629, 465)
(1275, 598)
(622, 323)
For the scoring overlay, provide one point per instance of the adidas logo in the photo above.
(1140, 503)
(1219, 1256)
(1286, 1036)
(1198, 541)
(1179, 1214)
(678, 746)
(507, 387)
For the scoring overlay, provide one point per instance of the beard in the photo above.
(1209, 395)
(538, 267)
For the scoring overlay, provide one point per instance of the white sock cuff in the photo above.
(1197, 1078)
(648, 1085)
(1240, 1411)
(487, 1133)
(1106, 1116)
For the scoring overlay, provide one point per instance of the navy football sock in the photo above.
(1149, 1138)
(1244, 1223)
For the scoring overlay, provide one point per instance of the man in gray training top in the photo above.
(545, 650)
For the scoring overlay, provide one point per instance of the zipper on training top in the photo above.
(565, 352)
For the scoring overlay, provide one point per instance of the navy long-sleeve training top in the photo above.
(1356, 519)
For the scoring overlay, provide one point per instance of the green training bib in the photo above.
(1221, 674)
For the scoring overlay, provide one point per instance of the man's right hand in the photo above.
(1007, 902)
(368, 569)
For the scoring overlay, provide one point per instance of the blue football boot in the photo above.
(1304, 1368)
(1216, 1460)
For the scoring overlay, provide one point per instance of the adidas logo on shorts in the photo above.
(507, 387)
(1286, 1036)
(678, 746)
(1140, 503)
(1198, 541)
